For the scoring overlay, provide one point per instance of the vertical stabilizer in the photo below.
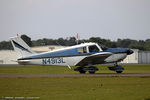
(21, 48)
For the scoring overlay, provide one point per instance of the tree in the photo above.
(71, 41)
(95, 39)
(147, 44)
(122, 43)
(60, 41)
(5, 45)
(27, 39)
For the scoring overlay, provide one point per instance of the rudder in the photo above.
(21, 48)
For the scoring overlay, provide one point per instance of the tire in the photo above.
(92, 72)
(82, 72)
(119, 71)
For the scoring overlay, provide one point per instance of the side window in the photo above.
(93, 48)
(82, 50)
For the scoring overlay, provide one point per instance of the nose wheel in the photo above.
(116, 68)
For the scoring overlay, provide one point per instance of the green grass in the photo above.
(77, 88)
(131, 68)
(64, 69)
(35, 69)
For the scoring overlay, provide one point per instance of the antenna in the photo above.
(17, 34)
(77, 38)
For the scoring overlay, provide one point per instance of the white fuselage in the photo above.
(59, 61)
(69, 61)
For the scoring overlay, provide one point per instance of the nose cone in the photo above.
(129, 51)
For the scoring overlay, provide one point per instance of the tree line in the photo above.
(120, 43)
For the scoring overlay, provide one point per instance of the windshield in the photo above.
(93, 48)
(103, 47)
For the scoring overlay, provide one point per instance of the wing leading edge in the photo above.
(97, 58)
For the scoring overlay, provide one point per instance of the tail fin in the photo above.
(21, 48)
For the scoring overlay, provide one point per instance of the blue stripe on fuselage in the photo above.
(116, 50)
(55, 54)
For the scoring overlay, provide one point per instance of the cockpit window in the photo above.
(93, 48)
(82, 50)
(103, 47)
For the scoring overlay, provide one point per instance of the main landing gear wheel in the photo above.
(83, 70)
(119, 71)
(92, 72)
(92, 69)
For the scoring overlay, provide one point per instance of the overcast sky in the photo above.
(109, 19)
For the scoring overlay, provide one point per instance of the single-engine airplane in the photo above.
(82, 55)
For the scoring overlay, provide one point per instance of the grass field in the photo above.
(75, 88)
(59, 69)
(79, 88)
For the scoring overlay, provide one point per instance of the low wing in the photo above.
(98, 58)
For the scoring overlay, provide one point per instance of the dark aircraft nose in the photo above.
(129, 51)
